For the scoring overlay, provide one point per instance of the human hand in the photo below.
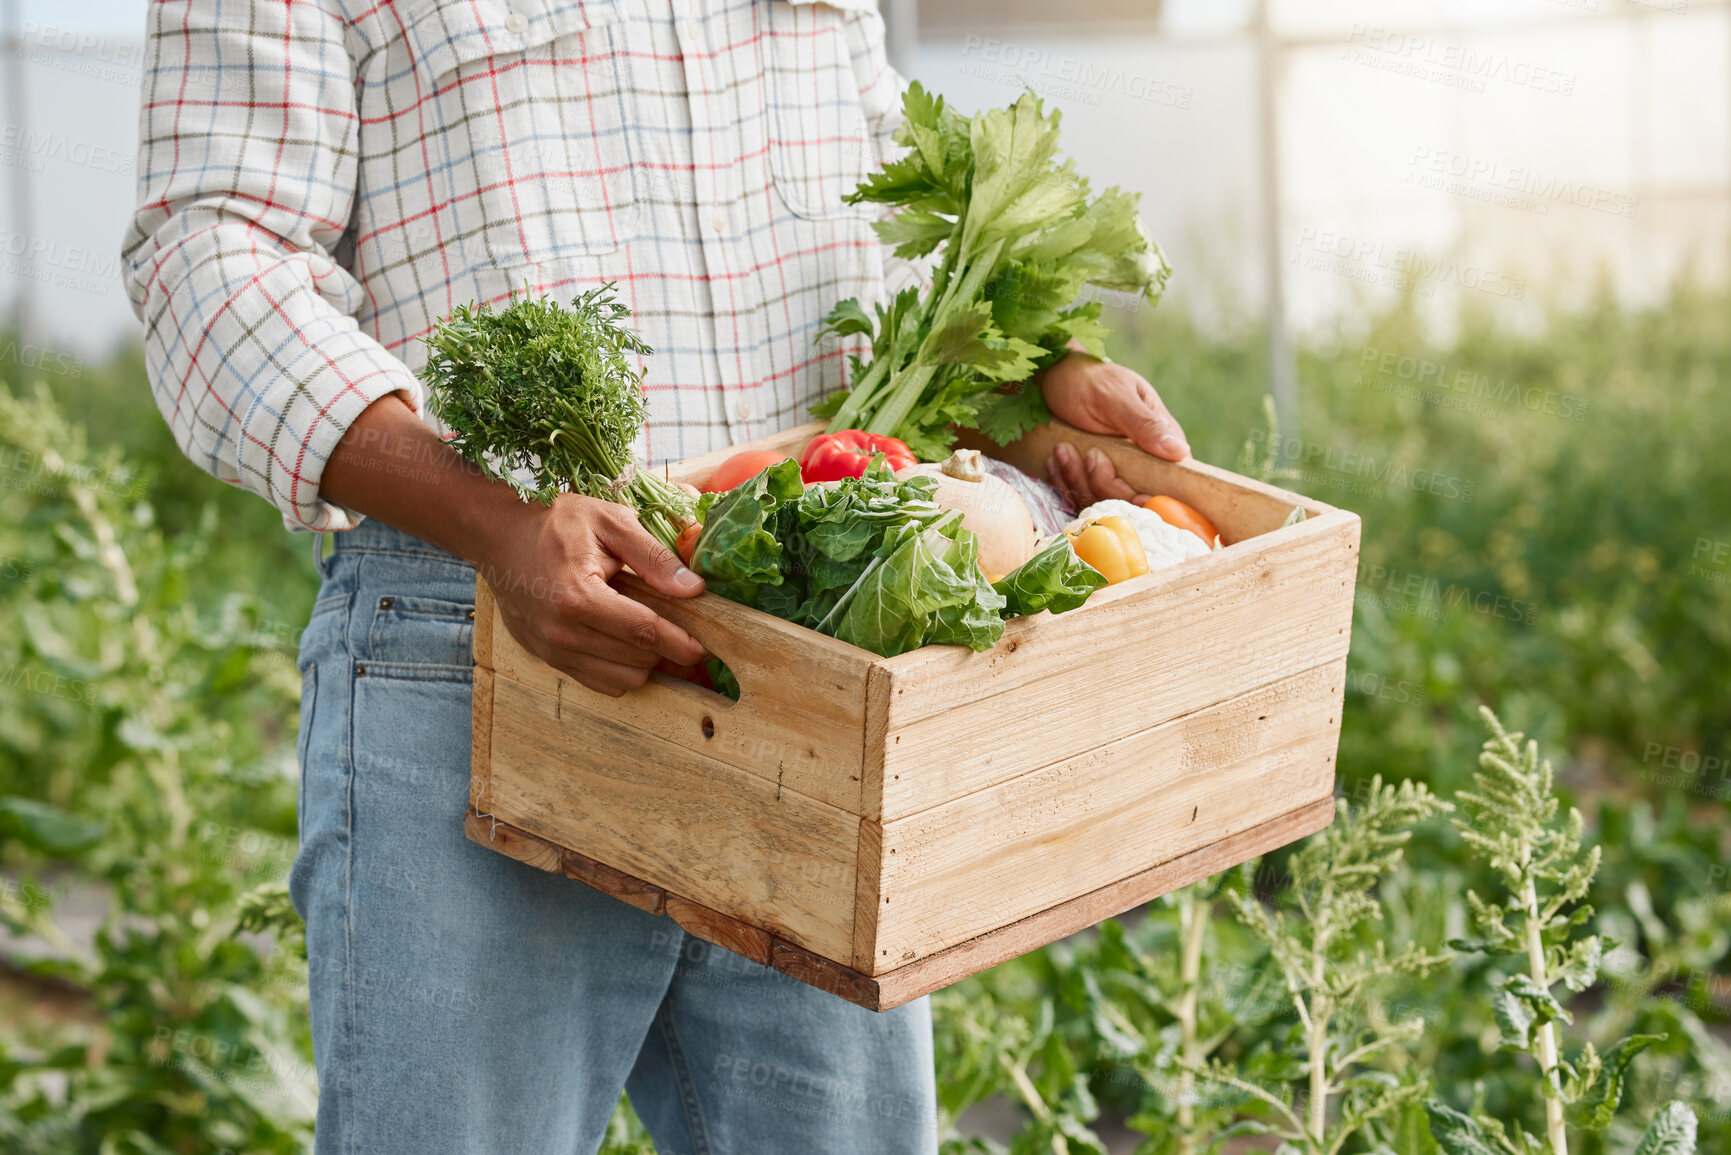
(1099, 397)
(550, 578)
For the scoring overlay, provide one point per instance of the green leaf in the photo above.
(846, 319)
(736, 552)
(1581, 962)
(1515, 1019)
(1019, 239)
(46, 827)
(893, 608)
(1520, 1005)
(1456, 1133)
(1054, 579)
(1594, 1110)
(1007, 416)
(914, 233)
(1411, 1132)
(1672, 1132)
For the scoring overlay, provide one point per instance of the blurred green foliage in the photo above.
(1547, 529)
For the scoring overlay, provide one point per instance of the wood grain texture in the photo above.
(1239, 619)
(626, 888)
(801, 710)
(481, 739)
(868, 893)
(999, 855)
(893, 988)
(485, 613)
(956, 963)
(825, 974)
(512, 842)
(1240, 507)
(682, 821)
(712, 926)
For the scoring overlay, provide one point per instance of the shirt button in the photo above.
(718, 222)
(743, 408)
(516, 23)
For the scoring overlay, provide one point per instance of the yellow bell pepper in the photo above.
(1110, 545)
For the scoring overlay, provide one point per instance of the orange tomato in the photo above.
(1180, 516)
(740, 467)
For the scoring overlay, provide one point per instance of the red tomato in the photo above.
(833, 456)
(742, 466)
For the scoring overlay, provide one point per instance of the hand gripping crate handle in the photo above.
(709, 618)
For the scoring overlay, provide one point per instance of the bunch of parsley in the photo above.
(546, 398)
(1020, 237)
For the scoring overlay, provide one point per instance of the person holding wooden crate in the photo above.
(321, 181)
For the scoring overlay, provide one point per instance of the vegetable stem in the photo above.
(1193, 927)
(1547, 1036)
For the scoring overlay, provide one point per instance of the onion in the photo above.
(990, 508)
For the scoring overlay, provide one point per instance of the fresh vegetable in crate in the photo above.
(1019, 237)
(872, 560)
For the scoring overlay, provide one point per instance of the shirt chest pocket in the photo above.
(528, 115)
(820, 143)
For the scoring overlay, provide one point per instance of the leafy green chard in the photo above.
(540, 391)
(738, 553)
(1020, 239)
(1512, 822)
(1054, 579)
(871, 560)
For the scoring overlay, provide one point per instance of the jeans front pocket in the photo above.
(413, 636)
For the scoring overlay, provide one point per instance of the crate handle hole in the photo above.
(708, 726)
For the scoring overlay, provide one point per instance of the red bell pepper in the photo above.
(833, 456)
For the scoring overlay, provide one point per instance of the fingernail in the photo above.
(1096, 458)
(1064, 452)
(1176, 446)
(685, 579)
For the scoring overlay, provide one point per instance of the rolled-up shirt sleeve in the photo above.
(247, 170)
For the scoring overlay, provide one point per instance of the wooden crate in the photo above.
(883, 827)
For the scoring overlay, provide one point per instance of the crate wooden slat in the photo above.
(882, 827)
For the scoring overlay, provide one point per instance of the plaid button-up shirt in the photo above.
(323, 180)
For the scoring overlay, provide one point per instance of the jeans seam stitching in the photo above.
(348, 1091)
(687, 1089)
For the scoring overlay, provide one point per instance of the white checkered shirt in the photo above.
(320, 181)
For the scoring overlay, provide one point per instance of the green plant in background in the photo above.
(1626, 655)
(1333, 969)
(1511, 821)
(131, 752)
(983, 1048)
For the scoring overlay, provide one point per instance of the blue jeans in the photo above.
(465, 1003)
